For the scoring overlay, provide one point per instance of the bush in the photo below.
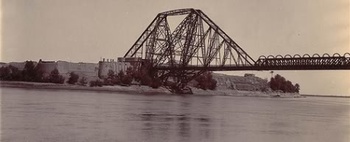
(142, 76)
(83, 81)
(156, 83)
(5, 73)
(96, 83)
(122, 78)
(111, 79)
(120, 75)
(146, 80)
(126, 80)
(206, 81)
(55, 77)
(110, 74)
(73, 78)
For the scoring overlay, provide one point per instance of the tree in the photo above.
(32, 73)
(15, 73)
(5, 73)
(206, 81)
(111, 78)
(280, 83)
(120, 75)
(29, 73)
(55, 77)
(73, 78)
(297, 87)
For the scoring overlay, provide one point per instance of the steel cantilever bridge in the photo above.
(198, 45)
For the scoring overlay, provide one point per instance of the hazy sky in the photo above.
(86, 30)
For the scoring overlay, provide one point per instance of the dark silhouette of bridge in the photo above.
(198, 45)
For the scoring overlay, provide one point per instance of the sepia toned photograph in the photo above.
(174, 71)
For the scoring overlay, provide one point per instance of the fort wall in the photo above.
(87, 70)
(116, 67)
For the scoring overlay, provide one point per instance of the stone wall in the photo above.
(18, 65)
(47, 67)
(245, 83)
(87, 70)
(116, 67)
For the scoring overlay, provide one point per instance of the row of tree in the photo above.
(74, 79)
(280, 83)
(143, 76)
(30, 73)
(35, 73)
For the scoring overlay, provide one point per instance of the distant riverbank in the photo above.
(332, 96)
(138, 89)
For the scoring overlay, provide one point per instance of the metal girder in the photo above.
(188, 40)
(197, 45)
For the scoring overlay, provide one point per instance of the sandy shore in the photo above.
(238, 93)
(136, 89)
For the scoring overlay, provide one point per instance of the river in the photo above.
(73, 116)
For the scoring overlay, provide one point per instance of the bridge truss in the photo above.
(198, 45)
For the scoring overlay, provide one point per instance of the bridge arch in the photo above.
(336, 55)
(262, 57)
(316, 55)
(326, 55)
(296, 56)
(279, 56)
(347, 54)
(306, 56)
(270, 57)
(288, 56)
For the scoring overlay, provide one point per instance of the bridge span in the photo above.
(305, 62)
(198, 45)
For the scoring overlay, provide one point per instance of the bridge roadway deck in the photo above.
(257, 67)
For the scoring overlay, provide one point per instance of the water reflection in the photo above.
(74, 116)
(173, 117)
(167, 124)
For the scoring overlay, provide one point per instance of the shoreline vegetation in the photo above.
(145, 90)
(144, 80)
(139, 89)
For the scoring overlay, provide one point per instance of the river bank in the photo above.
(138, 89)
(134, 89)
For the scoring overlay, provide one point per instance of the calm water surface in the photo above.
(72, 116)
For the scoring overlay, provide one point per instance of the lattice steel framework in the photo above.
(197, 45)
(196, 41)
(305, 62)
